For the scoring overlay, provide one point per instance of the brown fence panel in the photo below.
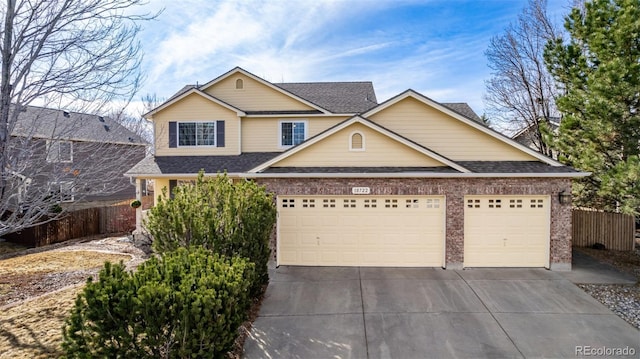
(77, 224)
(614, 230)
(117, 219)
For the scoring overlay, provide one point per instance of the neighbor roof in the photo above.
(41, 122)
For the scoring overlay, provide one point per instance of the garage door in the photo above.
(506, 231)
(361, 231)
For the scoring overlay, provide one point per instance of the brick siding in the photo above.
(454, 190)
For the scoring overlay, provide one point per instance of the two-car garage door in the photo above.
(394, 231)
(361, 231)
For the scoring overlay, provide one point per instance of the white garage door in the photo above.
(361, 231)
(506, 231)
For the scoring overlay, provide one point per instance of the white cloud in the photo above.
(323, 40)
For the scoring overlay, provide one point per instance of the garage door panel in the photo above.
(361, 231)
(506, 231)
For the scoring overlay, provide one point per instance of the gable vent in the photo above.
(66, 114)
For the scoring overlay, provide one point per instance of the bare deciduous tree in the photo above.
(521, 91)
(71, 54)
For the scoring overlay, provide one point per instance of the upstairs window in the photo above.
(196, 133)
(60, 151)
(292, 133)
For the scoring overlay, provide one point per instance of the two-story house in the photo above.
(77, 157)
(407, 182)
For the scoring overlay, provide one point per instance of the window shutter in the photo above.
(172, 185)
(219, 133)
(173, 134)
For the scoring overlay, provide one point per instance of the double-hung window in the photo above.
(63, 191)
(196, 133)
(59, 151)
(292, 133)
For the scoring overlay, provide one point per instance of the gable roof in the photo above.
(47, 123)
(188, 90)
(337, 97)
(264, 82)
(464, 119)
(333, 97)
(358, 119)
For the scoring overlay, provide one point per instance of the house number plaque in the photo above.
(360, 190)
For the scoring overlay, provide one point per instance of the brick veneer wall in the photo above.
(454, 190)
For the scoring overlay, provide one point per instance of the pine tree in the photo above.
(599, 73)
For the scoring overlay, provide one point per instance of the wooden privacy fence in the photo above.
(614, 230)
(76, 224)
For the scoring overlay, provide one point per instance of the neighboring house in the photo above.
(530, 136)
(73, 156)
(408, 182)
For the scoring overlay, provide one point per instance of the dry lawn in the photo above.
(34, 329)
(36, 293)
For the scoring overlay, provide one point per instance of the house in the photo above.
(77, 157)
(407, 182)
(530, 136)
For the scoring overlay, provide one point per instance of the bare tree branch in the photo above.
(521, 92)
(67, 54)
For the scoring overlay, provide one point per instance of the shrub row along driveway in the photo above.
(410, 312)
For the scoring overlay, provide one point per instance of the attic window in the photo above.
(356, 142)
(239, 84)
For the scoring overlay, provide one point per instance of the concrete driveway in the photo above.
(311, 312)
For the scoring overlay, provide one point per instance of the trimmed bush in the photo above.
(188, 303)
(232, 219)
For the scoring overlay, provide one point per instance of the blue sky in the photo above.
(434, 47)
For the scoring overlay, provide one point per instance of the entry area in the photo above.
(393, 231)
(506, 231)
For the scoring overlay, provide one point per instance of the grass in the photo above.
(8, 247)
(33, 328)
(58, 261)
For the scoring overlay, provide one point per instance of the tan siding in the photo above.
(196, 108)
(159, 185)
(254, 96)
(379, 150)
(261, 134)
(444, 134)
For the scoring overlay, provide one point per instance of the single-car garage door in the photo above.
(361, 231)
(506, 231)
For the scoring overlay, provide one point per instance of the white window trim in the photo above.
(351, 142)
(235, 84)
(58, 185)
(215, 136)
(306, 131)
(57, 143)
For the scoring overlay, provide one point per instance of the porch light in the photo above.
(564, 197)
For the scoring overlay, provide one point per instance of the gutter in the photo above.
(370, 175)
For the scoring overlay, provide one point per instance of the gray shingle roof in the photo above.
(514, 167)
(193, 164)
(359, 170)
(337, 97)
(40, 122)
(166, 165)
(463, 109)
